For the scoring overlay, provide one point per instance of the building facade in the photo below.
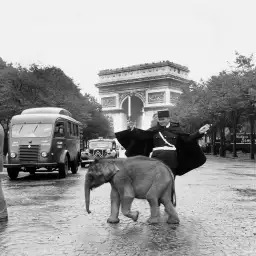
(136, 92)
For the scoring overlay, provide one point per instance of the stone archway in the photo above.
(145, 88)
(136, 110)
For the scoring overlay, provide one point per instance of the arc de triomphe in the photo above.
(137, 92)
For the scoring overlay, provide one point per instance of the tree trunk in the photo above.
(251, 119)
(213, 140)
(222, 142)
(234, 134)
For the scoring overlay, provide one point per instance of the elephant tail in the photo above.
(174, 201)
(173, 193)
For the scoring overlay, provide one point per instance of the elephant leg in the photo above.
(127, 195)
(154, 195)
(154, 202)
(115, 205)
(169, 208)
(154, 211)
(126, 208)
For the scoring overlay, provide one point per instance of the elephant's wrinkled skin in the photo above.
(135, 177)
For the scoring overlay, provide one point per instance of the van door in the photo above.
(72, 141)
(59, 140)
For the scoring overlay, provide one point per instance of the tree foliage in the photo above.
(221, 95)
(36, 86)
(223, 100)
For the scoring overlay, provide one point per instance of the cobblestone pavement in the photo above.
(216, 205)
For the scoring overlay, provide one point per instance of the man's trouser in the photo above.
(168, 157)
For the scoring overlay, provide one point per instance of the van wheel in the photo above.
(63, 168)
(83, 165)
(74, 166)
(13, 173)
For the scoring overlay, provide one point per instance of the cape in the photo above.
(140, 142)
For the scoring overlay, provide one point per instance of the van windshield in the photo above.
(31, 130)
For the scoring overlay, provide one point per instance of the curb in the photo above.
(230, 158)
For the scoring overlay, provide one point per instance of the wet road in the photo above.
(216, 205)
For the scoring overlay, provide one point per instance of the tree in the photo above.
(223, 100)
(245, 69)
(98, 126)
(37, 86)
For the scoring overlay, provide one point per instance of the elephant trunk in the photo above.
(87, 195)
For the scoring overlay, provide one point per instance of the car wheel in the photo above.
(63, 168)
(13, 173)
(74, 166)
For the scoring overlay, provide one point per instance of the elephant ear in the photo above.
(92, 172)
(109, 170)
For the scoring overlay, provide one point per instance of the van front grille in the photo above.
(99, 152)
(29, 153)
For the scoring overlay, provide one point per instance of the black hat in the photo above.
(163, 113)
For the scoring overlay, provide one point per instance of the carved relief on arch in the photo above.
(122, 96)
(156, 97)
(108, 102)
(140, 94)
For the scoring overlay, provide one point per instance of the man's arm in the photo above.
(192, 136)
(140, 134)
(196, 135)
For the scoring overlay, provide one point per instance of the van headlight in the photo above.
(44, 154)
(13, 155)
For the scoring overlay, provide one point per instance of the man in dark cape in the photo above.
(143, 142)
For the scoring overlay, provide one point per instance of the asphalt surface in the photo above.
(215, 203)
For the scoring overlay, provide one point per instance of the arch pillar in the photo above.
(129, 107)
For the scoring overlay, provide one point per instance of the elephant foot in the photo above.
(135, 215)
(153, 220)
(173, 220)
(113, 220)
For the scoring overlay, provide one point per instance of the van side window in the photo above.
(69, 128)
(74, 130)
(59, 130)
(77, 133)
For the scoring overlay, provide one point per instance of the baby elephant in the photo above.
(134, 177)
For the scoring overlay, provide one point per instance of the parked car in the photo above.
(100, 148)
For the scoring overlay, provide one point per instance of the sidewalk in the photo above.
(241, 157)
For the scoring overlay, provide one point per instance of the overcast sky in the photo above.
(82, 37)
